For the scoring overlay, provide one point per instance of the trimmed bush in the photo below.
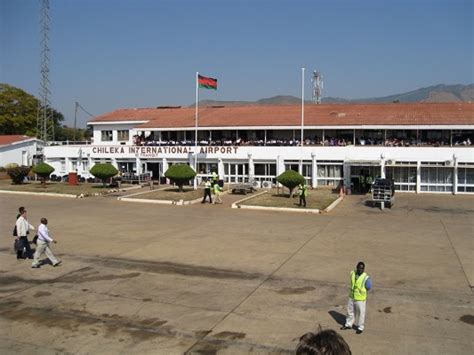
(180, 174)
(103, 172)
(290, 179)
(43, 170)
(18, 173)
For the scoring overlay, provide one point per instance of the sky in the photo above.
(111, 54)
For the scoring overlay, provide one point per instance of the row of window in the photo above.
(315, 137)
(432, 178)
(122, 136)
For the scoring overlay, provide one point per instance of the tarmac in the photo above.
(206, 279)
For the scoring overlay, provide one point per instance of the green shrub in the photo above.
(103, 171)
(43, 170)
(18, 173)
(180, 174)
(290, 179)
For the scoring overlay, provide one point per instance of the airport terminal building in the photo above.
(423, 147)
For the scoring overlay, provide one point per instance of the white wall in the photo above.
(114, 128)
(347, 153)
(13, 153)
(62, 157)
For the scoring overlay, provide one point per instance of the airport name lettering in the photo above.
(154, 151)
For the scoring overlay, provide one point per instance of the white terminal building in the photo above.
(423, 147)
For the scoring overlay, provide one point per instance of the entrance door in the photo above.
(24, 158)
(362, 177)
(156, 169)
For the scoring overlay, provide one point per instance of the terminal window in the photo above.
(122, 135)
(106, 136)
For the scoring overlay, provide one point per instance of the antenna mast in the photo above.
(317, 81)
(45, 124)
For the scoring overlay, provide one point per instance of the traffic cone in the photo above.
(341, 191)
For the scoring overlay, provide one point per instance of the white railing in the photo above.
(56, 143)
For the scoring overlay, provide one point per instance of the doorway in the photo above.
(362, 177)
(156, 170)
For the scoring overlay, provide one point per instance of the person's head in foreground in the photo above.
(325, 342)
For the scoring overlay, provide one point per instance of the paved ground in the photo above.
(155, 279)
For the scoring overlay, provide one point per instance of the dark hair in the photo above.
(44, 220)
(21, 209)
(361, 263)
(326, 342)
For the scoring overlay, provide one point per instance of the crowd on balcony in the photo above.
(141, 140)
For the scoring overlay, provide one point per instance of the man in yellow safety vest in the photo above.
(360, 285)
(303, 192)
(207, 191)
(214, 178)
(217, 193)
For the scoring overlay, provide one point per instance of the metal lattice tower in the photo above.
(45, 124)
(317, 81)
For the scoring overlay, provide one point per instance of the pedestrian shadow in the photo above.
(338, 317)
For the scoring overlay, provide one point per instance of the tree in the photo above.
(66, 133)
(43, 170)
(180, 174)
(18, 173)
(103, 171)
(290, 179)
(19, 111)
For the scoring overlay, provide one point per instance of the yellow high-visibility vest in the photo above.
(217, 189)
(303, 190)
(358, 292)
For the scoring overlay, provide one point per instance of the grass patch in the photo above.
(319, 198)
(55, 187)
(172, 194)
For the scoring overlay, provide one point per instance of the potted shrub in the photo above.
(290, 179)
(180, 174)
(43, 170)
(103, 172)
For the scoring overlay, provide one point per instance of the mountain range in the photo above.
(437, 93)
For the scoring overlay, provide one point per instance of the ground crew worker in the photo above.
(214, 178)
(217, 193)
(207, 191)
(303, 192)
(360, 285)
(368, 182)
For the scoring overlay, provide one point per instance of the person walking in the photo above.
(303, 192)
(42, 247)
(207, 191)
(214, 178)
(217, 193)
(360, 285)
(22, 230)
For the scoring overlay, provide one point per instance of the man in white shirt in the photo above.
(42, 246)
(22, 230)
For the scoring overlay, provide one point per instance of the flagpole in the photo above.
(196, 130)
(302, 105)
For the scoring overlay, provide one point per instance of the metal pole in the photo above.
(75, 120)
(196, 113)
(196, 131)
(302, 104)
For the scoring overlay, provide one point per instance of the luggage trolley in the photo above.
(383, 192)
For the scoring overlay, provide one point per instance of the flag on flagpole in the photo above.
(207, 83)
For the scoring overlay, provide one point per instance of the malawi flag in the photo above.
(207, 83)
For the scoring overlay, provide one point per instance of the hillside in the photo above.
(437, 93)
